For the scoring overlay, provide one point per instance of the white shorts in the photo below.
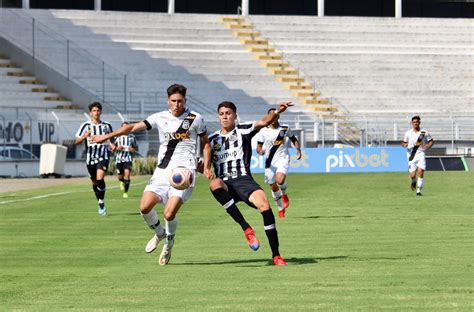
(160, 185)
(418, 162)
(280, 165)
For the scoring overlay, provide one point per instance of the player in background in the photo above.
(273, 141)
(126, 145)
(179, 129)
(230, 150)
(97, 154)
(417, 141)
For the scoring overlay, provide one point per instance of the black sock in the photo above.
(96, 191)
(228, 203)
(127, 184)
(270, 230)
(100, 189)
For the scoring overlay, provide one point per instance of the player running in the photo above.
(272, 141)
(417, 141)
(126, 145)
(97, 154)
(231, 150)
(179, 129)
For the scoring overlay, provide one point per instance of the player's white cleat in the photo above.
(154, 241)
(166, 252)
(102, 210)
(125, 195)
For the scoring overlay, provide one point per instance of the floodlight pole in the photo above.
(245, 7)
(97, 5)
(321, 8)
(25, 4)
(398, 8)
(171, 9)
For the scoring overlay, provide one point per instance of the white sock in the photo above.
(171, 229)
(277, 197)
(283, 187)
(101, 201)
(151, 219)
(420, 185)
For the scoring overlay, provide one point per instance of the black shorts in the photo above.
(121, 166)
(241, 188)
(102, 165)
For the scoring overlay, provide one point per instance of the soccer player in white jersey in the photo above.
(97, 154)
(417, 141)
(230, 150)
(179, 130)
(273, 141)
(126, 145)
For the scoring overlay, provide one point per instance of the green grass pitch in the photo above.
(355, 242)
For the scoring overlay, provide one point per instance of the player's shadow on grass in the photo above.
(327, 217)
(260, 262)
(116, 214)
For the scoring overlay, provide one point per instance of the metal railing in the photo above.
(64, 56)
(347, 132)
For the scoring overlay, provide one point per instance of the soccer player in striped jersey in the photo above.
(97, 154)
(273, 141)
(126, 145)
(179, 131)
(417, 141)
(230, 150)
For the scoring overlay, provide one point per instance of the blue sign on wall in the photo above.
(331, 160)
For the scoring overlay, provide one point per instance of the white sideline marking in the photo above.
(55, 194)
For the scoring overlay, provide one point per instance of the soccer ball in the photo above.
(181, 178)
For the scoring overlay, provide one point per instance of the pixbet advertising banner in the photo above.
(334, 160)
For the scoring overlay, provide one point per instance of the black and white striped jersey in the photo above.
(126, 142)
(232, 152)
(178, 137)
(95, 152)
(275, 143)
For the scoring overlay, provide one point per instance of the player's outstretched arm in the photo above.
(297, 145)
(125, 129)
(428, 145)
(81, 139)
(207, 170)
(270, 117)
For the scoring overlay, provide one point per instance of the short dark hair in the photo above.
(227, 104)
(416, 117)
(176, 88)
(95, 104)
(271, 109)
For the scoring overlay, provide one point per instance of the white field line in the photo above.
(56, 194)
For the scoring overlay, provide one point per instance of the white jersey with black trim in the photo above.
(275, 141)
(232, 152)
(95, 152)
(411, 136)
(125, 141)
(178, 137)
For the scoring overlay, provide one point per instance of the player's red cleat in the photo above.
(279, 261)
(285, 200)
(252, 241)
(281, 214)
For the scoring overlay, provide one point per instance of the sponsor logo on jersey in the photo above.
(278, 142)
(217, 147)
(176, 136)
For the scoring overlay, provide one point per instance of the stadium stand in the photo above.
(377, 72)
(20, 89)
